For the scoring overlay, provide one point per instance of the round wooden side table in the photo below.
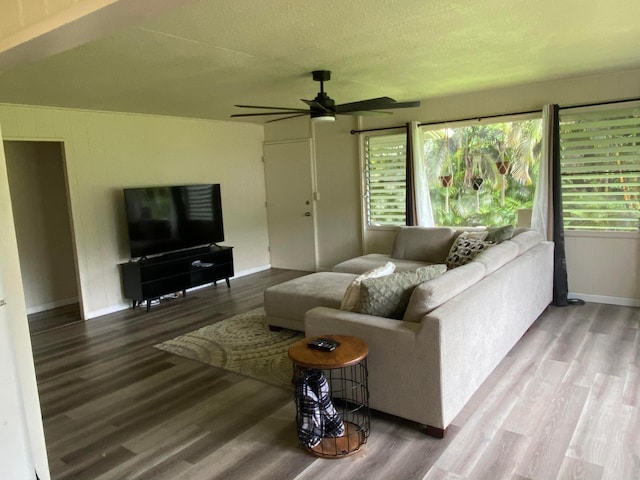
(345, 370)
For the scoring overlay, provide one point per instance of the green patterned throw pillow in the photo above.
(388, 296)
(500, 234)
(465, 249)
(352, 294)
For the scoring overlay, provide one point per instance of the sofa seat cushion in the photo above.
(388, 296)
(424, 244)
(368, 262)
(293, 298)
(430, 295)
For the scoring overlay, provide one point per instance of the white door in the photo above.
(288, 168)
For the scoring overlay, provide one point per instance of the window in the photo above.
(600, 169)
(479, 174)
(385, 173)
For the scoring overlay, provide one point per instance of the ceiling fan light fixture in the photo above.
(323, 117)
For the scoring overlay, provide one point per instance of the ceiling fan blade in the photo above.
(406, 104)
(269, 113)
(316, 105)
(284, 118)
(381, 103)
(274, 108)
(362, 105)
(366, 113)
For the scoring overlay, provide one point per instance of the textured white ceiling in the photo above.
(201, 59)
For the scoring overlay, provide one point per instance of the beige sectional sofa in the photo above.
(456, 328)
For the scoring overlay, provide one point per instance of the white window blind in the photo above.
(385, 179)
(199, 201)
(600, 169)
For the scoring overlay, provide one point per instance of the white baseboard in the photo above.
(625, 302)
(251, 271)
(49, 306)
(108, 310)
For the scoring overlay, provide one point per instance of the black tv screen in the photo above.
(164, 219)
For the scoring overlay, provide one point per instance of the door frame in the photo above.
(65, 171)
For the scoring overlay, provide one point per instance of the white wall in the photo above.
(338, 178)
(338, 162)
(105, 152)
(604, 267)
(41, 216)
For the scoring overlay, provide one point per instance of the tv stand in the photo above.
(150, 278)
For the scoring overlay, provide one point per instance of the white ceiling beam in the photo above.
(80, 23)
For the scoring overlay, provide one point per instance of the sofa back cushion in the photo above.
(527, 240)
(430, 295)
(389, 295)
(424, 244)
(495, 257)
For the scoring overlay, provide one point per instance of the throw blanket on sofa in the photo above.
(317, 416)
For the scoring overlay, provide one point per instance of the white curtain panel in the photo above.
(542, 215)
(424, 211)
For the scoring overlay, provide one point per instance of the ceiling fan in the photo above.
(324, 109)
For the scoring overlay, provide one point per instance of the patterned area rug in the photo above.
(241, 344)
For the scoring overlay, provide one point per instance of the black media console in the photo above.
(150, 278)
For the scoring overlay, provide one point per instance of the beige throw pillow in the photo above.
(352, 295)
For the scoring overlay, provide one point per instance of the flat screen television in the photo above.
(165, 219)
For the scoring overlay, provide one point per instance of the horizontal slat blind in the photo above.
(200, 202)
(386, 179)
(600, 165)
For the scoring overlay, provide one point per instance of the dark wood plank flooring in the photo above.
(563, 404)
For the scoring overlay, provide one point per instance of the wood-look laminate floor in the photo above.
(563, 404)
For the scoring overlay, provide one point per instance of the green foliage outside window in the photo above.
(483, 174)
(470, 153)
(463, 173)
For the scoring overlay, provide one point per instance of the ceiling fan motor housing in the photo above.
(324, 110)
(325, 101)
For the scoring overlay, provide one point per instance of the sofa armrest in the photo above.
(403, 360)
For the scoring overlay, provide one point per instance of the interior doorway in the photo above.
(41, 212)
